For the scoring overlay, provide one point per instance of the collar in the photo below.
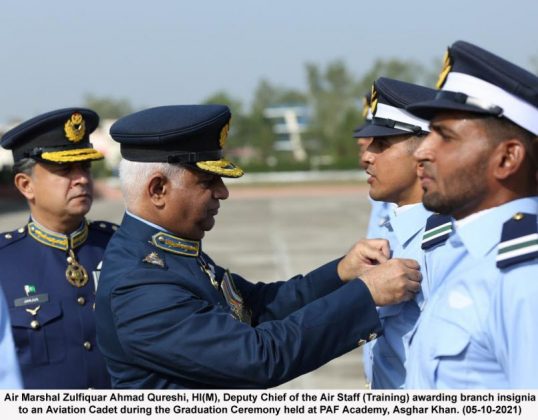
(407, 221)
(58, 240)
(482, 234)
(160, 237)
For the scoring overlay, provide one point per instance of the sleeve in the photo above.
(164, 328)
(10, 377)
(272, 301)
(512, 327)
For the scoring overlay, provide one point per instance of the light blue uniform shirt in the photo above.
(379, 215)
(478, 329)
(10, 377)
(384, 358)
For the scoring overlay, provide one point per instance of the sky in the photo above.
(160, 52)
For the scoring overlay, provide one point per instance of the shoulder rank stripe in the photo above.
(176, 245)
(519, 240)
(438, 229)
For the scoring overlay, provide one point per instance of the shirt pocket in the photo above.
(447, 354)
(43, 343)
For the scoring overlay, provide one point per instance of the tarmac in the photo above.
(268, 233)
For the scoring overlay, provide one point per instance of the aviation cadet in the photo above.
(168, 316)
(50, 265)
(379, 209)
(478, 171)
(392, 136)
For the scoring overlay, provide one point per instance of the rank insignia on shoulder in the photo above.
(154, 258)
(438, 229)
(519, 240)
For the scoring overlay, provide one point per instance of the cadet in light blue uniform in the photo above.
(393, 135)
(478, 329)
(10, 376)
(50, 266)
(379, 211)
(170, 317)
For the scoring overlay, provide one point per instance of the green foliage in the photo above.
(108, 107)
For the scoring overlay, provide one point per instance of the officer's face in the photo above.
(193, 203)
(363, 145)
(59, 194)
(455, 165)
(392, 170)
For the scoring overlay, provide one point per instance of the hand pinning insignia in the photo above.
(153, 258)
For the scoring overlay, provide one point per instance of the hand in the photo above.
(394, 281)
(364, 255)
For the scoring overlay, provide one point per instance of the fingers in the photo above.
(412, 264)
(382, 245)
(375, 254)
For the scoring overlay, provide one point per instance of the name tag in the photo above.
(32, 300)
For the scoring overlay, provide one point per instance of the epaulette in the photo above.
(103, 226)
(7, 238)
(437, 231)
(519, 240)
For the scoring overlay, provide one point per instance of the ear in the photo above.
(25, 185)
(157, 188)
(508, 158)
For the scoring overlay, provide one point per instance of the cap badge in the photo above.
(75, 128)
(224, 134)
(373, 101)
(447, 66)
(365, 107)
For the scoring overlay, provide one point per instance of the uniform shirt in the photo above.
(169, 317)
(10, 377)
(478, 329)
(385, 358)
(379, 215)
(53, 321)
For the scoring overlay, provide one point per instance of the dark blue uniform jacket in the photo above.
(53, 321)
(161, 323)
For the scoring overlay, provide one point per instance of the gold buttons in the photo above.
(81, 301)
(35, 324)
(361, 342)
(372, 336)
(20, 230)
(518, 216)
(87, 345)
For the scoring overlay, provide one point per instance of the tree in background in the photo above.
(108, 107)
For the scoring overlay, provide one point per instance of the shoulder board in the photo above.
(438, 229)
(103, 226)
(7, 238)
(519, 240)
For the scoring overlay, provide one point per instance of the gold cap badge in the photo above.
(447, 66)
(224, 134)
(75, 128)
(373, 100)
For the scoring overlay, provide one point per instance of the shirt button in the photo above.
(81, 301)
(361, 342)
(8, 236)
(372, 336)
(35, 324)
(87, 345)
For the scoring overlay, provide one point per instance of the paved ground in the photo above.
(269, 233)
